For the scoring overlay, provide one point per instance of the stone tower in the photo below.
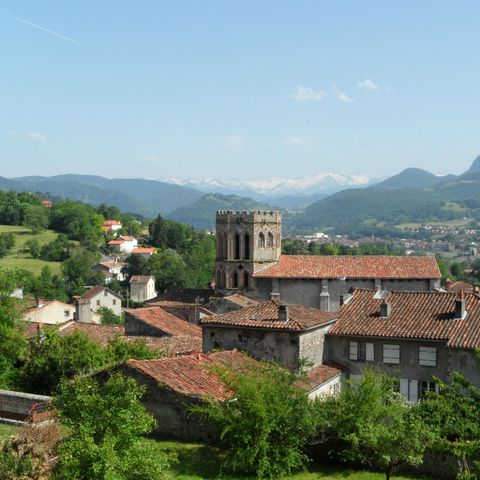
(245, 240)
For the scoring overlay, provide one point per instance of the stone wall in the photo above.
(134, 326)
(18, 405)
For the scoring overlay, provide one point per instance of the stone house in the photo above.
(176, 384)
(249, 257)
(97, 297)
(412, 335)
(156, 322)
(50, 312)
(274, 331)
(142, 288)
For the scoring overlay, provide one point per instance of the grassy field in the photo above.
(17, 259)
(459, 222)
(201, 462)
(7, 430)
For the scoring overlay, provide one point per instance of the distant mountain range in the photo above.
(413, 195)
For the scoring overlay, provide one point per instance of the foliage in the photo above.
(32, 247)
(120, 350)
(52, 356)
(374, 424)
(36, 217)
(7, 241)
(77, 271)
(108, 317)
(105, 423)
(57, 250)
(12, 341)
(454, 413)
(265, 427)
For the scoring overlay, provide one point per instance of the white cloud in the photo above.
(342, 96)
(294, 141)
(306, 94)
(36, 136)
(234, 142)
(368, 84)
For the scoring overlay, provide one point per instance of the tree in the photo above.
(169, 270)
(12, 340)
(120, 350)
(105, 425)
(52, 357)
(7, 241)
(36, 217)
(108, 317)
(32, 247)
(77, 271)
(375, 424)
(265, 427)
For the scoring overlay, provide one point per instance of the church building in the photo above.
(249, 258)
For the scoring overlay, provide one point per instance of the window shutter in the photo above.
(353, 351)
(413, 393)
(391, 354)
(404, 387)
(427, 356)
(370, 352)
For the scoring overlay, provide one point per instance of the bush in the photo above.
(105, 426)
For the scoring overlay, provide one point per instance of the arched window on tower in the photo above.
(224, 246)
(270, 239)
(235, 280)
(236, 246)
(261, 239)
(246, 240)
(218, 281)
(245, 280)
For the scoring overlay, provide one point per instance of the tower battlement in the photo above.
(248, 216)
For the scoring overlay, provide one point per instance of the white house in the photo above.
(142, 288)
(123, 244)
(111, 226)
(97, 297)
(112, 270)
(50, 312)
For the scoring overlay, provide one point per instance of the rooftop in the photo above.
(95, 291)
(265, 315)
(141, 278)
(337, 266)
(166, 322)
(414, 315)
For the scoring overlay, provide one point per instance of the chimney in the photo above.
(385, 309)
(282, 313)
(325, 299)
(460, 311)
(274, 296)
(342, 300)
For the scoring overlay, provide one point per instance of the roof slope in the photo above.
(166, 322)
(265, 315)
(415, 315)
(96, 290)
(335, 266)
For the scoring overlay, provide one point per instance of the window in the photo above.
(235, 280)
(98, 303)
(427, 356)
(261, 240)
(270, 239)
(67, 313)
(353, 351)
(391, 354)
(409, 389)
(335, 389)
(247, 246)
(236, 246)
(427, 386)
(114, 301)
(369, 352)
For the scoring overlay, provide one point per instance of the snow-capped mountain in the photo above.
(322, 183)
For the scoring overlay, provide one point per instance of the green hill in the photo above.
(413, 196)
(201, 213)
(144, 197)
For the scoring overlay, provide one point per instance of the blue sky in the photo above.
(238, 89)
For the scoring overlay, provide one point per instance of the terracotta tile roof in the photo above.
(373, 266)
(111, 222)
(193, 374)
(460, 286)
(140, 278)
(319, 375)
(143, 251)
(265, 315)
(164, 346)
(116, 242)
(172, 307)
(166, 322)
(415, 315)
(242, 300)
(95, 291)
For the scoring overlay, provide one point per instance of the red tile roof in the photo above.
(111, 222)
(265, 315)
(415, 315)
(193, 374)
(460, 286)
(319, 375)
(164, 346)
(96, 290)
(166, 322)
(117, 242)
(373, 266)
(143, 251)
(140, 278)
